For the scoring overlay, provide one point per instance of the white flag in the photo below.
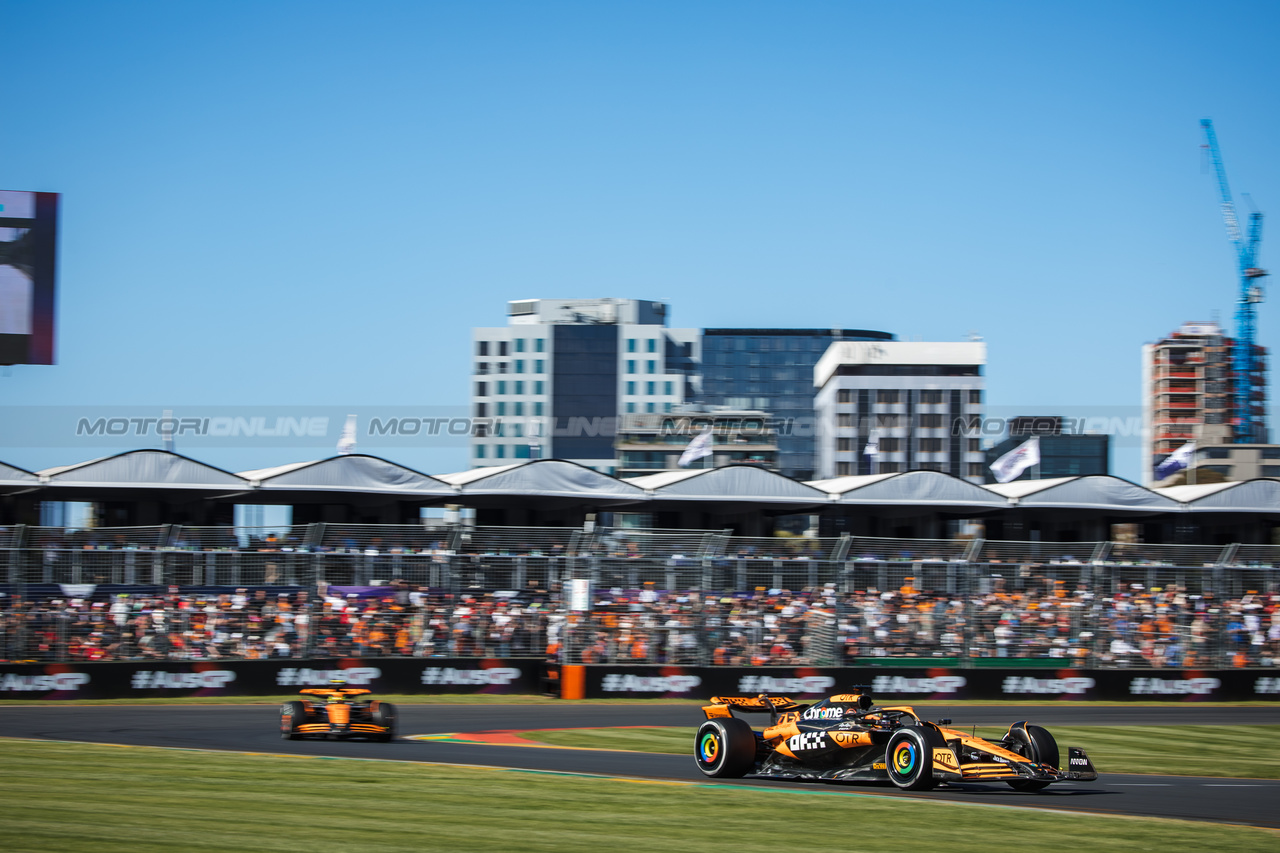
(698, 448)
(1013, 463)
(1176, 461)
(347, 442)
(873, 444)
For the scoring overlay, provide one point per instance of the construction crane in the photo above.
(1246, 425)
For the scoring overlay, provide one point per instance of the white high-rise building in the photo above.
(554, 381)
(921, 402)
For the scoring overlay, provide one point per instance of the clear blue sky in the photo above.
(311, 203)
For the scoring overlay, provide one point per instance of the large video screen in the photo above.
(28, 273)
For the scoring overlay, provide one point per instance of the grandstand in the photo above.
(697, 597)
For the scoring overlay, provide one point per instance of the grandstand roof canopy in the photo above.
(729, 484)
(356, 472)
(1092, 491)
(141, 470)
(913, 488)
(151, 474)
(1261, 495)
(14, 479)
(538, 480)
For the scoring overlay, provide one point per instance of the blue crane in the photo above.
(1246, 425)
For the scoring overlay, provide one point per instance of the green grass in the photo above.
(73, 797)
(1251, 752)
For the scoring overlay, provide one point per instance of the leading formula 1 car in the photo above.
(847, 737)
(336, 713)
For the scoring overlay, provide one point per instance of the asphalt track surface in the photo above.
(253, 728)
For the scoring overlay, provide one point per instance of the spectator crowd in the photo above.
(1040, 618)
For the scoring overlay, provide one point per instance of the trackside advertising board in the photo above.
(526, 676)
(889, 684)
(270, 677)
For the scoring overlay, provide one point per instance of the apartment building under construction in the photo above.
(1188, 393)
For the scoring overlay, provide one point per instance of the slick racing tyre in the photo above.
(725, 748)
(383, 714)
(909, 757)
(1034, 744)
(291, 714)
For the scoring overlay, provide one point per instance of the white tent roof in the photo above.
(543, 478)
(353, 473)
(13, 474)
(142, 469)
(731, 483)
(14, 479)
(916, 488)
(461, 478)
(1262, 495)
(1093, 491)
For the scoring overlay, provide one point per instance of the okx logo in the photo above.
(806, 741)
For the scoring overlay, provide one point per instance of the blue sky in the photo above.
(288, 204)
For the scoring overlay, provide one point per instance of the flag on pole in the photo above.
(872, 447)
(347, 442)
(1176, 461)
(1013, 463)
(698, 448)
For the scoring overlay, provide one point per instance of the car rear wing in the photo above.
(721, 706)
(330, 691)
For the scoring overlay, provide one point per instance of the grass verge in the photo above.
(1251, 752)
(141, 799)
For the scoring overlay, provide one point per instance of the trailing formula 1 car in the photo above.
(336, 713)
(846, 737)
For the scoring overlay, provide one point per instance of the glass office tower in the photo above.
(772, 370)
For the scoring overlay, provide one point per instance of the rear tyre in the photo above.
(291, 714)
(383, 714)
(1036, 745)
(909, 757)
(725, 748)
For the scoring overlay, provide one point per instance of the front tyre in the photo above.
(291, 714)
(725, 748)
(1037, 746)
(909, 757)
(383, 714)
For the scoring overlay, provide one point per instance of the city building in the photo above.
(1188, 393)
(553, 382)
(922, 402)
(771, 370)
(648, 444)
(1223, 462)
(1062, 454)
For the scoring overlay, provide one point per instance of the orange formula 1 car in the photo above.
(335, 713)
(846, 737)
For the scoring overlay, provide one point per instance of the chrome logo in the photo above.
(709, 748)
(904, 758)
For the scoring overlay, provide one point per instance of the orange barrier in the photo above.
(573, 682)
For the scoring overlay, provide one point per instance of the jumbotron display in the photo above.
(28, 273)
